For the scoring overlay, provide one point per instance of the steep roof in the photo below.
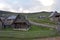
(54, 14)
(22, 19)
(12, 17)
(8, 17)
(9, 20)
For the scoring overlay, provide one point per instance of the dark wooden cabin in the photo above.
(21, 22)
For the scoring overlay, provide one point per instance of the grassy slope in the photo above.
(34, 18)
(32, 33)
(43, 21)
(38, 14)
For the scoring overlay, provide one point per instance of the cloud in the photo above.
(42, 8)
(26, 6)
(27, 11)
(6, 7)
(56, 6)
(17, 6)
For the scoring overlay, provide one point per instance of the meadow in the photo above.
(34, 32)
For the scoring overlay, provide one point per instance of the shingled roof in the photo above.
(8, 17)
(9, 20)
(12, 17)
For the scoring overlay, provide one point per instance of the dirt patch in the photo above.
(54, 38)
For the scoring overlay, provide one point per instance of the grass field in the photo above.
(43, 21)
(38, 14)
(34, 32)
(35, 18)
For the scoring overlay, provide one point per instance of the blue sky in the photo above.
(29, 5)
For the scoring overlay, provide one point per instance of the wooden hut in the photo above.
(21, 23)
(54, 16)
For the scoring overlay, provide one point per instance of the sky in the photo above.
(28, 6)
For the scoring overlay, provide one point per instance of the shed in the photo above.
(21, 23)
(54, 16)
(42, 17)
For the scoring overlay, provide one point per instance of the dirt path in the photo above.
(54, 38)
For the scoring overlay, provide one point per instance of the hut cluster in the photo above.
(14, 21)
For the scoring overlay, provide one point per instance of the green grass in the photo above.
(43, 21)
(35, 18)
(34, 32)
(38, 14)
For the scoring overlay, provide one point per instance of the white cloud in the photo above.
(2, 6)
(20, 10)
(26, 11)
(42, 8)
(7, 7)
(46, 2)
(23, 6)
(15, 6)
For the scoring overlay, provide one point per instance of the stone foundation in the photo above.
(22, 29)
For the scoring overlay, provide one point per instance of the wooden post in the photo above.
(58, 25)
(0, 25)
